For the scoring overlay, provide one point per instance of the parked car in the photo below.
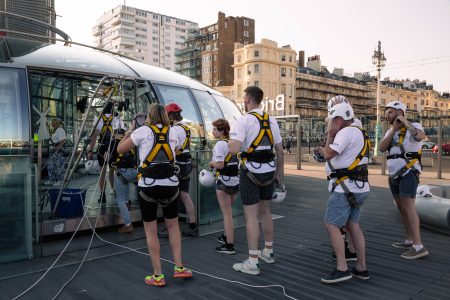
(445, 148)
(428, 145)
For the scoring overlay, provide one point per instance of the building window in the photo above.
(290, 72)
(256, 53)
(246, 23)
(257, 83)
(239, 58)
(239, 73)
(290, 58)
(256, 68)
(283, 57)
(246, 33)
(283, 72)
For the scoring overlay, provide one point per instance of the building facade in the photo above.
(208, 53)
(40, 10)
(269, 67)
(146, 36)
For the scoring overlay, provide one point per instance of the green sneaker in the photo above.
(156, 280)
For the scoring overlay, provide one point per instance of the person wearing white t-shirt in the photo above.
(104, 132)
(157, 185)
(403, 141)
(344, 144)
(227, 185)
(256, 178)
(55, 165)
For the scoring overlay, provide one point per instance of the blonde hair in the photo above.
(157, 115)
(58, 122)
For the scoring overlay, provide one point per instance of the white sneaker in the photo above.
(247, 267)
(58, 183)
(266, 256)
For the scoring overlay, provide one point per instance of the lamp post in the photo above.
(379, 61)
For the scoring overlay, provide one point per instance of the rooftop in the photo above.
(302, 250)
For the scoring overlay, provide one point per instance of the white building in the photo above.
(146, 36)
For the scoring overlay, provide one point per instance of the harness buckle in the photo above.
(406, 155)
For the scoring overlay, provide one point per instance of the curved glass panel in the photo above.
(210, 110)
(230, 111)
(191, 116)
(14, 123)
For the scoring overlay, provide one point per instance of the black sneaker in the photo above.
(337, 276)
(222, 239)
(102, 199)
(188, 231)
(349, 256)
(226, 249)
(364, 275)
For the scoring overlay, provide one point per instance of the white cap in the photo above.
(343, 110)
(357, 122)
(206, 178)
(396, 105)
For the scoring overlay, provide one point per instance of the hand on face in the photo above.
(334, 125)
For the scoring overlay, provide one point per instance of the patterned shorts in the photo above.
(250, 192)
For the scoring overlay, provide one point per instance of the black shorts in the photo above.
(101, 153)
(252, 193)
(149, 210)
(230, 190)
(184, 176)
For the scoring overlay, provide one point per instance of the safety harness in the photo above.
(264, 138)
(107, 130)
(410, 157)
(159, 163)
(182, 155)
(352, 172)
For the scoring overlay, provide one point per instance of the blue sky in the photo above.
(415, 35)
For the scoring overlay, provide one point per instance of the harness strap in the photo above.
(264, 131)
(187, 142)
(256, 180)
(161, 201)
(340, 181)
(107, 126)
(409, 163)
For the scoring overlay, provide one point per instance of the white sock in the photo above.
(253, 260)
(418, 247)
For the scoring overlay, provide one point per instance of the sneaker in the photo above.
(102, 199)
(349, 256)
(413, 254)
(266, 256)
(163, 233)
(188, 231)
(226, 249)
(247, 267)
(337, 276)
(402, 245)
(58, 183)
(181, 272)
(155, 280)
(364, 275)
(222, 239)
(126, 229)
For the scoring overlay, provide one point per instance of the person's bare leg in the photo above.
(189, 205)
(173, 229)
(153, 246)
(338, 246)
(408, 233)
(266, 221)
(252, 227)
(359, 243)
(412, 219)
(227, 211)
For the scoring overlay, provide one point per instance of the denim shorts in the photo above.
(406, 186)
(339, 210)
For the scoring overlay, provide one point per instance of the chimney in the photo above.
(301, 58)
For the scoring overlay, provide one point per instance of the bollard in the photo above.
(299, 144)
(439, 158)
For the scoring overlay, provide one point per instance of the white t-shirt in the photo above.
(220, 152)
(410, 144)
(246, 130)
(116, 123)
(143, 138)
(59, 135)
(348, 142)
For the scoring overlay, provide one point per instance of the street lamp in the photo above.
(379, 61)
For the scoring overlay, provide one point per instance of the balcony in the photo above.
(97, 30)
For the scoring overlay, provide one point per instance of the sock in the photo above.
(253, 260)
(268, 247)
(192, 225)
(418, 247)
(408, 242)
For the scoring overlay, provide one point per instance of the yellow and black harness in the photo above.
(352, 172)
(230, 167)
(107, 130)
(159, 163)
(410, 157)
(252, 155)
(182, 155)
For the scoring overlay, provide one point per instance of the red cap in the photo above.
(173, 107)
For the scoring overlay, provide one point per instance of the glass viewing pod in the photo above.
(40, 81)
